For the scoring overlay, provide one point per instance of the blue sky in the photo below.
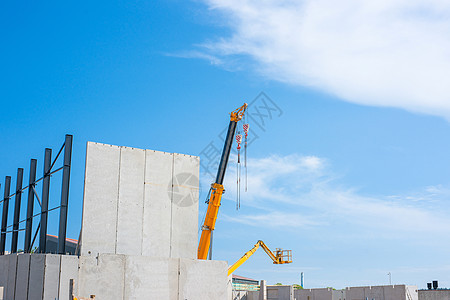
(352, 176)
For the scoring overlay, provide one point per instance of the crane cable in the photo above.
(246, 128)
(238, 171)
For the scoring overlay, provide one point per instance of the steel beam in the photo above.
(64, 195)
(44, 207)
(15, 233)
(30, 206)
(5, 214)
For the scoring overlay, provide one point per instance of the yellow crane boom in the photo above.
(217, 188)
(279, 256)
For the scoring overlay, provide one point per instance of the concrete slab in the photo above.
(281, 292)
(51, 277)
(151, 278)
(4, 264)
(12, 272)
(69, 270)
(36, 277)
(23, 271)
(185, 190)
(131, 201)
(102, 276)
(101, 188)
(211, 274)
(157, 204)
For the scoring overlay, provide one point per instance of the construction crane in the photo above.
(217, 188)
(279, 256)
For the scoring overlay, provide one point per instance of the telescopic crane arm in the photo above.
(217, 188)
(278, 256)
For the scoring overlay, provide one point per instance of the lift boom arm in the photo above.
(280, 256)
(217, 187)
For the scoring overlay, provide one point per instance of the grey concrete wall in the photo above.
(146, 276)
(158, 204)
(253, 295)
(140, 202)
(280, 292)
(203, 279)
(101, 193)
(37, 276)
(319, 294)
(23, 271)
(102, 276)
(4, 267)
(11, 280)
(385, 292)
(434, 294)
(115, 276)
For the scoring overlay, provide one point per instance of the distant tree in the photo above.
(279, 283)
(297, 287)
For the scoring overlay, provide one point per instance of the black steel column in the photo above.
(15, 233)
(64, 195)
(44, 207)
(5, 214)
(29, 227)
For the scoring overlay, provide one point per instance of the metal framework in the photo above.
(43, 202)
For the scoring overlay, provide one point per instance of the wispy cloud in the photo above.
(297, 191)
(382, 53)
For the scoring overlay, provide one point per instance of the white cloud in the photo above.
(297, 191)
(382, 53)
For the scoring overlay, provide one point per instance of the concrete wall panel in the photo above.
(69, 270)
(151, 278)
(102, 276)
(281, 292)
(51, 277)
(131, 201)
(4, 264)
(157, 204)
(12, 271)
(211, 274)
(36, 279)
(23, 271)
(184, 236)
(101, 189)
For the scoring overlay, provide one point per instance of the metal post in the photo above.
(15, 233)
(29, 226)
(5, 214)
(64, 195)
(44, 207)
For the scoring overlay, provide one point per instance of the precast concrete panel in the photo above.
(253, 295)
(281, 292)
(157, 204)
(23, 271)
(36, 278)
(185, 190)
(151, 278)
(12, 271)
(102, 276)
(69, 270)
(202, 279)
(131, 201)
(412, 292)
(51, 277)
(101, 188)
(4, 264)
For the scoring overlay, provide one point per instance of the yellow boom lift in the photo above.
(279, 256)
